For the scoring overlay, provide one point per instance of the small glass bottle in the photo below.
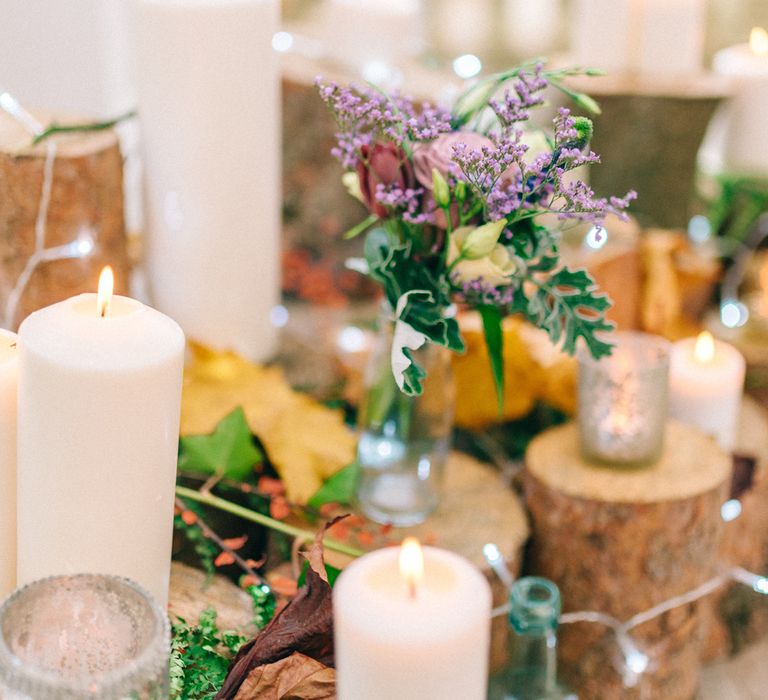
(531, 669)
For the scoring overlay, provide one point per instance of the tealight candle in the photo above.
(411, 624)
(8, 372)
(623, 400)
(99, 403)
(706, 380)
(83, 636)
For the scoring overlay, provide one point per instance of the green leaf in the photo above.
(228, 451)
(494, 341)
(362, 226)
(340, 488)
(331, 571)
(568, 307)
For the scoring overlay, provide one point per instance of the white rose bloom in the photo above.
(496, 268)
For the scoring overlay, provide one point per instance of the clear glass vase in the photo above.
(403, 440)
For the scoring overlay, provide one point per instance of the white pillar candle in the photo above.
(744, 118)
(651, 37)
(706, 380)
(8, 373)
(99, 404)
(208, 86)
(410, 637)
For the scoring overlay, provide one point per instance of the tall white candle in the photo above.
(399, 635)
(706, 380)
(651, 37)
(208, 85)
(99, 403)
(8, 373)
(743, 119)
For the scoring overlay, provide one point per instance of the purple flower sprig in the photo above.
(366, 115)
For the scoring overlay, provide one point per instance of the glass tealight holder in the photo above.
(84, 636)
(623, 401)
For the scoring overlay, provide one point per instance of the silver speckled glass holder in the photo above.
(623, 401)
(83, 637)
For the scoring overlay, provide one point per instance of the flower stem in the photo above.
(278, 525)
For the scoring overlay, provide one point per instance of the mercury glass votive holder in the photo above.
(83, 636)
(623, 401)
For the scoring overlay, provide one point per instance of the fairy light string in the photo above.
(633, 662)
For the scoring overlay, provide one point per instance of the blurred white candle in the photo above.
(99, 403)
(706, 380)
(8, 373)
(653, 37)
(411, 629)
(745, 116)
(208, 86)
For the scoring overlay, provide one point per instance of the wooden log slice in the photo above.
(86, 200)
(621, 541)
(738, 616)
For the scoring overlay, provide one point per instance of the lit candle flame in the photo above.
(758, 41)
(704, 350)
(411, 563)
(106, 287)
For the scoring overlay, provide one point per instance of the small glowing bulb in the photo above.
(411, 563)
(596, 238)
(467, 66)
(282, 42)
(106, 287)
(733, 314)
(730, 510)
(704, 350)
(758, 41)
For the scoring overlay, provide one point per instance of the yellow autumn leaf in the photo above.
(306, 441)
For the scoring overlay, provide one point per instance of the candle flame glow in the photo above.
(704, 350)
(106, 287)
(411, 563)
(758, 41)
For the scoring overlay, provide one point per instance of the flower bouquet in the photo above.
(465, 206)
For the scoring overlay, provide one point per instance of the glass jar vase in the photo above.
(403, 440)
(623, 401)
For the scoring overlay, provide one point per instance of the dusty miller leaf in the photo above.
(568, 307)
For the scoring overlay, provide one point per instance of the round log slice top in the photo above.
(691, 465)
(475, 508)
(15, 139)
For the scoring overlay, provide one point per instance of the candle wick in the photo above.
(104, 311)
(412, 588)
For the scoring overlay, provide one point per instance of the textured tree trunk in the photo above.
(737, 615)
(85, 177)
(621, 541)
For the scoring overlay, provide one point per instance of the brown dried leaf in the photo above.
(305, 625)
(296, 677)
